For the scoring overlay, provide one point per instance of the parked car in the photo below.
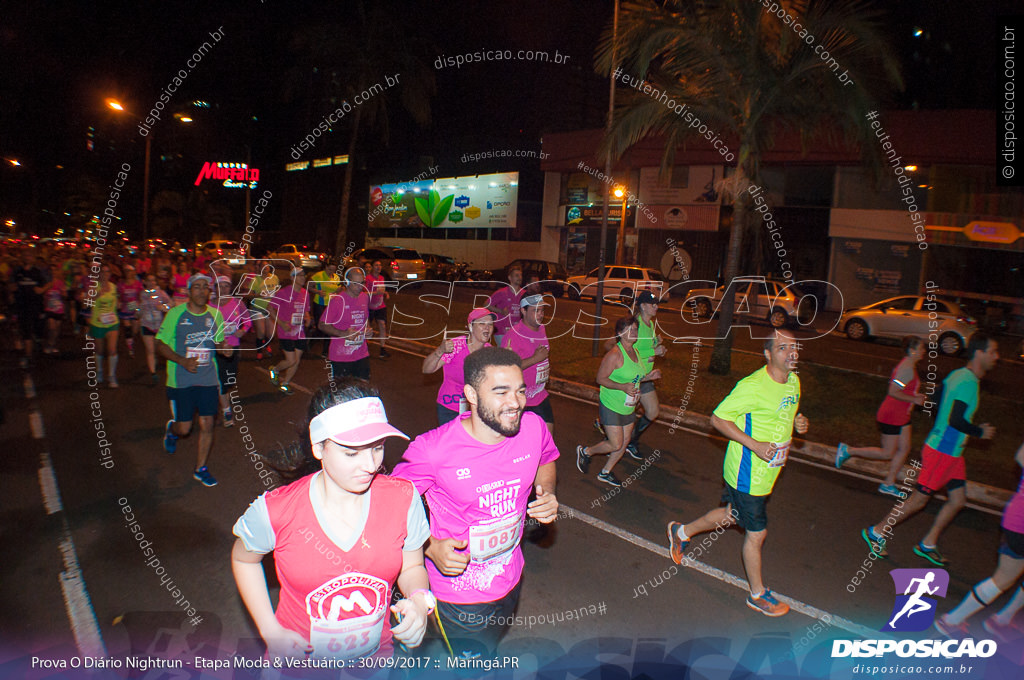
(552, 273)
(222, 248)
(402, 264)
(623, 281)
(776, 302)
(302, 256)
(440, 267)
(912, 315)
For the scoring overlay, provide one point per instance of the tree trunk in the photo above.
(341, 238)
(721, 355)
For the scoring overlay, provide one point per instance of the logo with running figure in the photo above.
(914, 609)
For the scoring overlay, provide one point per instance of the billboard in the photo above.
(474, 201)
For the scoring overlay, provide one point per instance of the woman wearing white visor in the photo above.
(342, 538)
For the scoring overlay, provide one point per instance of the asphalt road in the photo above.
(606, 559)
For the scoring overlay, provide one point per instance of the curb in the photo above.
(981, 495)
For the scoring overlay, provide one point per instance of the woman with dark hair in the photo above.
(342, 537)
(893, 418)
(451, 354)
(619, 375)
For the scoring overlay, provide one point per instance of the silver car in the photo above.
(912, 315)
(776, 302)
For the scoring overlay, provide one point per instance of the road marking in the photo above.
(723, 576)
(81, 614)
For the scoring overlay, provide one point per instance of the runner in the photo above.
(289, 309)
(187, 339)
(477, 473)
(154, 305)
(893, 418)
(264, 287)
(619, 376)
(648, 346)
(375, 286)
(129, 290)
(179, 283)
(29, 284)
(1008, 571)
(103, 324)
(758, 417)
(54, 302)
(236, 324)
(505, 304)
(323, 284)
(451, 354)
(345, 320)
(342, 538)
(529, 340)
(942, 463)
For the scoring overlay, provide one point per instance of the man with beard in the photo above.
(475, 473)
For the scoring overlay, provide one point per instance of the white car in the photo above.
(622, 281)
(776, 302)
(302, 256)
(223, 249)
(911, 315)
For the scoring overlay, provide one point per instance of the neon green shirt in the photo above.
(764, 410)
(630, 372)
(104, 308)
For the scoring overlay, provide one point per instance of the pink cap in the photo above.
(479, 313)
(354, 423)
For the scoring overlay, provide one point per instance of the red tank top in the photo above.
(896, 412)
(339, 600)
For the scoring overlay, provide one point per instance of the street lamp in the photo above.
(620, 240)
(117, 106)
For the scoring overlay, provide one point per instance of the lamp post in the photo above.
(595, 349)
(117, 106)
(620, 239)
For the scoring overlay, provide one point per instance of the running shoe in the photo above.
(1008, 633)
(608, 478)
(676, 545)
(273, 375)
(930, 554)
(891, 490)
(633, 452)
(767, 604)
(286, 388)
(599, 427)
(203, 476)
(384, 354)
(229, 418)
(875, 542)
(842, 455)
(170, 439)
(953, 631)
(113, 383)
(582, 459)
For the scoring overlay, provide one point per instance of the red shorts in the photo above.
(939, 469)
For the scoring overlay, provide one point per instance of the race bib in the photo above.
(543, 371)
(494, 539)
(297, 318)
(356, 340)
(108, 319)
(463, 405)
(54, 304)
(230, 327)
(633, 399)
(202, 355)
(131, 307)
(781, 454)
(347, 616)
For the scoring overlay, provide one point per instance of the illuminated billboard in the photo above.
(487, 201)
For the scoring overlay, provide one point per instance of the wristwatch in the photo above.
(428, 597)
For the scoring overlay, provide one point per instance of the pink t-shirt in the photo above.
(180, 284)
(344, 312)
(524, 342)
(236, 315)
(130, 295)
(1013, 515)
(478, 492)
(450, 394)
(504, 299)
(291, 306)
(53, 301)
(375, 286)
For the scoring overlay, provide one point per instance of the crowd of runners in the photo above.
(346, 535)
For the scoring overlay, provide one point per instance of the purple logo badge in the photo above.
(914, 609)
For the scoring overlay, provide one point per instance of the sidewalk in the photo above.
(980, 496)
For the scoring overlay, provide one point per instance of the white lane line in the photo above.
(30, 388)
(48, 485)
(35, 420)
(721, 575)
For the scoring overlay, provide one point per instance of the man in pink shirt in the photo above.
(505, 305)
(345, 320)
(376, 286)
(529, 340)
(477, 473)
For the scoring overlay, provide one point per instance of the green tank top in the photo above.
(104, 308)
(645, 344)
(630, 372)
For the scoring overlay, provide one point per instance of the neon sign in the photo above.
(234, 175)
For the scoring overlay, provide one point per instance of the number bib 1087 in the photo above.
(492, 540)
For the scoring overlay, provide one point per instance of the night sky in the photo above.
(62, 59)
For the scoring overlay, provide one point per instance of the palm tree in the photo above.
(368, 50)
(747, 74)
